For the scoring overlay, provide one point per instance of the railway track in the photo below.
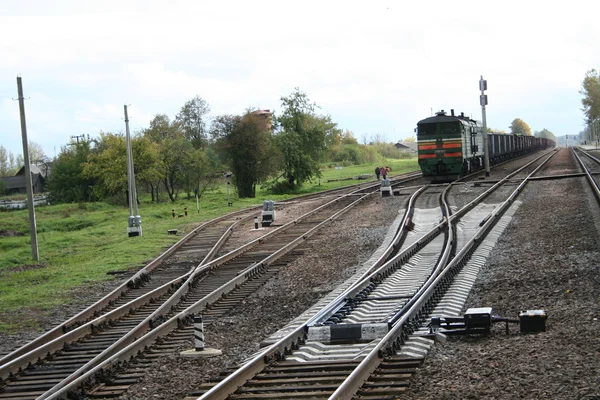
(365, 335)
(591, 167)
(105, 337)
(169, 346)
(89, 333)
(167, 267)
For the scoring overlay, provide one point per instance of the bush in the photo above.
(388, 150)
(280, 187)
(117, 200)
(371, 155)
(349, 154)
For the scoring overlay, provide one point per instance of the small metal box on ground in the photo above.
(268, 213)
(478, 319)
(532, 321)
(386, 188)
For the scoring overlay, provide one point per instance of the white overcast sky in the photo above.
(376, 67)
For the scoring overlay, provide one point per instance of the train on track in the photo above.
(451, 146)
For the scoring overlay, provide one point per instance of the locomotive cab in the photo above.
(448, 145)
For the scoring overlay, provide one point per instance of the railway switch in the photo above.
(480, 320)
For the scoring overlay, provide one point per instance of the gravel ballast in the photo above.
(547, 258)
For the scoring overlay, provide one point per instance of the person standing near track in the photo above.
(384, 172)
(377, 172)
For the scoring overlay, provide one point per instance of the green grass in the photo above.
(79, 244)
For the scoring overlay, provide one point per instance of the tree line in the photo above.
(192, 151)
(590, 90)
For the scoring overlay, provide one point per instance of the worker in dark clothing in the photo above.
(377, 172)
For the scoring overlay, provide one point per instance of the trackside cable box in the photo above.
(533, 321)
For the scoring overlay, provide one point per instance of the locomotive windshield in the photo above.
(426, 129)
(440, 128)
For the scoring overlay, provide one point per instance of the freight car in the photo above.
(450, 146)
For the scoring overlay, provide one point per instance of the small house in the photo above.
(16, 184)
(409, 147)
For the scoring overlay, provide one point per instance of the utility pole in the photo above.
(483, 101)
(32, 225)
(76, 137)
(134, 222)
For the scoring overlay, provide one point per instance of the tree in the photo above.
(192, 121)
(545, 133)
(302, 138)
(176, 159)
(246, 148)
(590, 89)
(377, 138)
(410, 139)
(107, 164)
(519, 127)
(146, 161)
(4, 168)
(348, 137)
(36, 153)
(10, 164)
(67, 183)
(181, 164)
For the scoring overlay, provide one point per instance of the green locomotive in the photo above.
(450, 146)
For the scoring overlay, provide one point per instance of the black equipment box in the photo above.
(478, 318)
(533, 321)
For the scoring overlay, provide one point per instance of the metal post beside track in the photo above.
(483, 101)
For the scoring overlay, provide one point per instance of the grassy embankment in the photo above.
(81, 244)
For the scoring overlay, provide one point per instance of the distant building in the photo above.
(264, 118)
(410, 147)
(16, 184)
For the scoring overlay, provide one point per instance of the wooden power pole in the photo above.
(32, 226)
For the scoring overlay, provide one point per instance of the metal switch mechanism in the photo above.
(481, 319)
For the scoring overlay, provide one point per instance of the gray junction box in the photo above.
(268, 213)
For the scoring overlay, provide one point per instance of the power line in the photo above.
(41, 105)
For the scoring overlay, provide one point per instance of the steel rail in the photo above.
(281, 347)
(588, 172)
(380, 268)
(480, 171)
(88, 328)
(132, 344)
(398, 332)
(57, 343)
(105, 301)
(54, 339)
(89, 312)
(285, 344)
